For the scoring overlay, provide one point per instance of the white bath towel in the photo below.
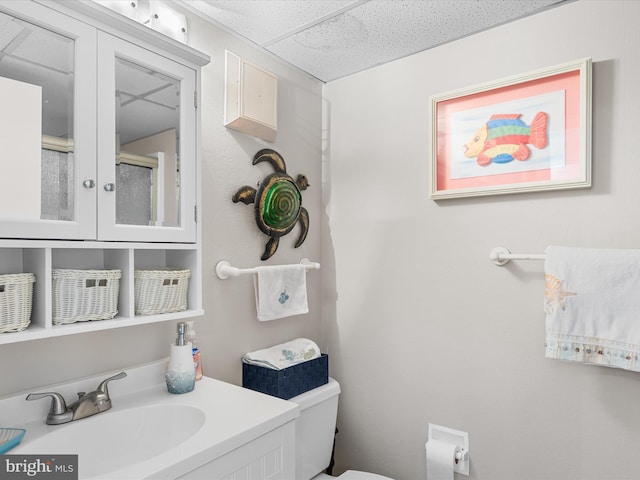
(281, 291)
(592, 303)
(284, 355)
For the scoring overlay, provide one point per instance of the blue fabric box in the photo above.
(288, 382)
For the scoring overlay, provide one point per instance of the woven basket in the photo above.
(82, 295)
(16, 295)
(161, 290)
(288, 382)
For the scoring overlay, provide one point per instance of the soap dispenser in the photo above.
(181, 374)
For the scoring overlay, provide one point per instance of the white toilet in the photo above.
(315, 430)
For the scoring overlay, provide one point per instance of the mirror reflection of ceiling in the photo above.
(147, 102)
(34, 55)
(330, 39)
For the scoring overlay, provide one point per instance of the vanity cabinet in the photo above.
(269, 457)
(114, 179)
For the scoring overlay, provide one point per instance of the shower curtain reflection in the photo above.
(57, 185)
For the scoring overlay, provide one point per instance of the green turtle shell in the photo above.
(277, 205)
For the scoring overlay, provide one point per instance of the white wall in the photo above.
(421, 326)
(229, 327)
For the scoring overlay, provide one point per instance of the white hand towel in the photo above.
(592, 302)
(284, 355)
(281, 291)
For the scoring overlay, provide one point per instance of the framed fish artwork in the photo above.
(524, 133)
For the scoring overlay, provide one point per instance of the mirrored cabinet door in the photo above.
(48, 124)
(146, 145)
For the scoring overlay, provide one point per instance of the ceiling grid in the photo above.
(331, 39)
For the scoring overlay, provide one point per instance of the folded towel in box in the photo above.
(592, 306)
(281, 291)
(284, 355)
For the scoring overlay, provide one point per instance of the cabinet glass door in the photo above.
(146, 154)
(43, 85)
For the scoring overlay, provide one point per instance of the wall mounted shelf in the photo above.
(41, 257)
(110, 50)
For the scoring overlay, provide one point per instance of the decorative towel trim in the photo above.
(281, 291)
(592, 305)
(594, 351)
(284, 355)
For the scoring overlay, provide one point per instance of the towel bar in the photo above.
(501, 256)
(224, 269)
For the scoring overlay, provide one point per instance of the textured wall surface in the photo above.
(421, 326)
(229, 327)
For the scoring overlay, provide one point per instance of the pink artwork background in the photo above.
(569, 82)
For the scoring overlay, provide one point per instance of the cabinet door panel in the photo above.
(48, 122)
(146, 145)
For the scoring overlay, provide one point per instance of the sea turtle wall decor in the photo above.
(277, 202)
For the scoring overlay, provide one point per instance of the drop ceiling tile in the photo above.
(9, 29)
(383, 30)
(264, 20)
(330, 39)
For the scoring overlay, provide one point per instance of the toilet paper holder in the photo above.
(461, 455)
(454, 437)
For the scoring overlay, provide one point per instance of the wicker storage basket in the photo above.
(16, 295)
(161, 290)
(82, 295)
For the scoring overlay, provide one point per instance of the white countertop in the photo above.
(233, 416)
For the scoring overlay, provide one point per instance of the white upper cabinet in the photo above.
(99, 135)
(58, 61)
(111, 154)
(146, 138)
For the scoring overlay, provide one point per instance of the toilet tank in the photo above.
(315, 429)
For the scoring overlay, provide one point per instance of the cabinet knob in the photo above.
(110, 187)
(88, 183)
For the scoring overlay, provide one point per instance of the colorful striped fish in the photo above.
(505, 137)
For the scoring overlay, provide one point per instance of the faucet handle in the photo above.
(102, 388)
(58, 405)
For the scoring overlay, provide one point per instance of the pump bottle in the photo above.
(181, 374)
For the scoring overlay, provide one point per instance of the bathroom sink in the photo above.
(149, 433)
(120, 438)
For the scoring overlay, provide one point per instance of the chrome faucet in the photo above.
(86, 405)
